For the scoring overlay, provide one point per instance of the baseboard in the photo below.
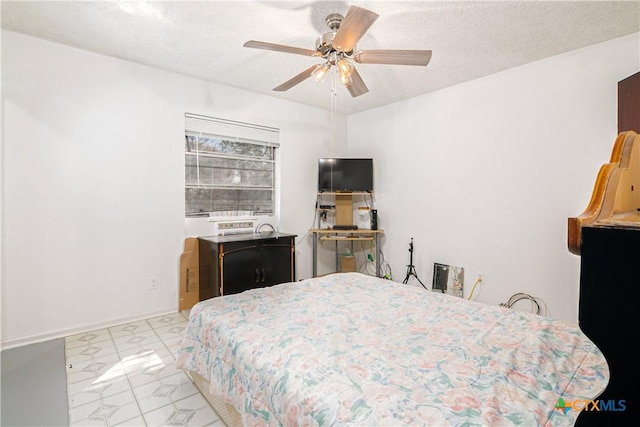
(19, 342)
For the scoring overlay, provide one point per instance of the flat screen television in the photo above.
(345, 174)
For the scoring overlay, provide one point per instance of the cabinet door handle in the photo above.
(257, 275)
(263, 274)
(187, 282)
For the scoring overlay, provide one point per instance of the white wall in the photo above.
(93, 172)
(484, 175)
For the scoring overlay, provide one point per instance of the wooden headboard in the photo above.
(615, 200)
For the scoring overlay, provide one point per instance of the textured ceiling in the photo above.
(204, 39)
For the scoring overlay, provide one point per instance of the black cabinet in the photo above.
(236, 263)
(609, 291)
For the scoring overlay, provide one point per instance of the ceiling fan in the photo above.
(338, 48)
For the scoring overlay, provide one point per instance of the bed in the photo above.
(351, 349)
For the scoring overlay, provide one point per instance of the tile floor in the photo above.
(126, 376)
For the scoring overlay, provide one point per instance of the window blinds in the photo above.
(203, 125)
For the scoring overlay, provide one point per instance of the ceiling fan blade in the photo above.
(352, 28)
(396, 57)
(357, 86)
(280, 48)
(295, 80)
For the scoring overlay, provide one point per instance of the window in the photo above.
(230, 167)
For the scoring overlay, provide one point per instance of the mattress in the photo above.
(225, 411)
(351, 349)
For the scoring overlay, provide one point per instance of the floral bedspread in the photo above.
(350, 349)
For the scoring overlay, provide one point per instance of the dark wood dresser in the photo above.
(235, 263)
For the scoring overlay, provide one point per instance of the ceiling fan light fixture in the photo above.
(345, 70)
(344, 66)
(345, 78)
(321, 71)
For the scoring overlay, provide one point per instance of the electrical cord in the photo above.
(370, 200)
(368, 259)
(385, 268)
(473, 289)
(369, 264)
(313, 223)
(535, 303)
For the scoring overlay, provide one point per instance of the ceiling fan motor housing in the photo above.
(325, 47)
(333, 21)
(324, 43)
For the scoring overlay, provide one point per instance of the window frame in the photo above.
(200, 126)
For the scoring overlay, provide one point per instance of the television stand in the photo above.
(341, 236)
(337, 226)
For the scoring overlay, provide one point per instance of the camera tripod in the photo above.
(411, 270)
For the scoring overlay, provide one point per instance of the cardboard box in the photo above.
(189, 274)
(347, 263)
